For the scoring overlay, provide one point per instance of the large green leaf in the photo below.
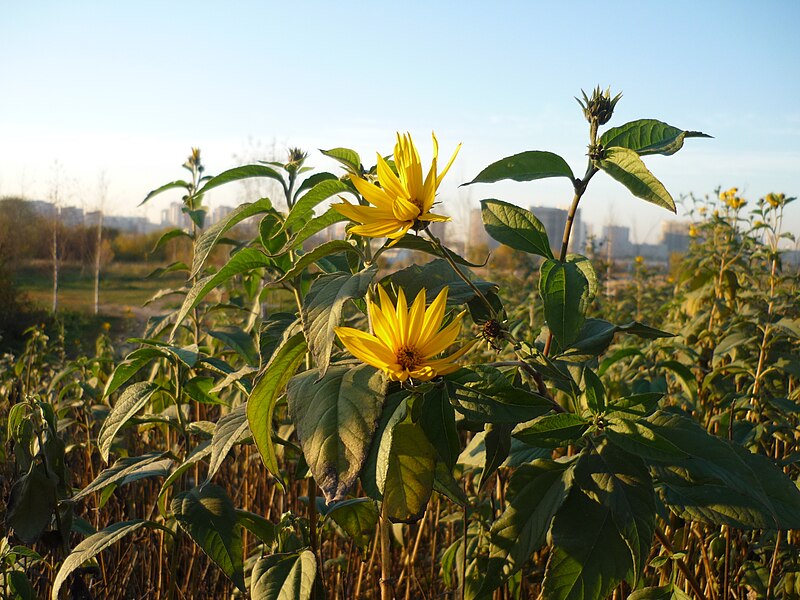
(525, 166)
(405, 472)
(31, 503)
(484, 394)
(304, 208)
(626, 167)
(721, 482)
(535, 492)
(666, 592)
(357, 517)
(596, 336)
(131, 401)
(314, 226)
(648, 136)
(346, 157)
(515, 227)
(435, 414)
(132, 364)
(284, 577)
(432, 277)
(553, 431)
(565, 293)
(603, 531)
(231, 429)
(209, 517)
(265, 394)
(93, 545)
(321, 251)
(336, 417)
(239, 173)
(418, 243)
(244, 260)
(166, 187)
(205, 243)
(322, 309)
(127, 470)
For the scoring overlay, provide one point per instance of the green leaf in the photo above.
(336, 417)
(586, 267)
(238, 173)
(594, 391)
(357, 517)
(199, 453)
(603, 532)
(485, 395)
(21, 588)
(231, 429)
(346, 157)
(31, 503)
(640, 440)
(166, 187)
(322, 309)
(129, 403)
(648, 136)
(626, 167)
(535, 493)
(434, 413)
(94, 545)
(321, 251)
(497, 445)
(418, 243)
(304, 208)
(314, 226)
(265, 394)
(565, 293)
(284, 577)
(525, 166)
(721, 482)
(206, 242)
(666, 592)
(132, 364)
(515, 227)
(244, 260)
(238, 340)
(264, 530)
(405, 473)
(127, 470)
(209, 517)
(432, 277)
(553, 431)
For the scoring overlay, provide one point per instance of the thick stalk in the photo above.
(387, 593)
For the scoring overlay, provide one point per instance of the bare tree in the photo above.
(55, 199)
(102, 192)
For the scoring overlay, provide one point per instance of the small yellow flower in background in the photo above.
(406, 340)
(775, 200)
(639, 260)
(106, 326)
(732, 200)
(402, 201)
(692, 231)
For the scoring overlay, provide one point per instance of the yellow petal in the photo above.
(389, 180)
(433, 317)
(433, 217)
(443, 339)
(447, 167)
(383, 228)
(366, 347)
(404, 210)
(416, 316)
(372, 193)
(401, 311)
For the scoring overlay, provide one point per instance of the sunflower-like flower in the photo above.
(406, 340)
(401, 201)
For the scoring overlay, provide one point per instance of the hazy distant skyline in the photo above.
(127, 89)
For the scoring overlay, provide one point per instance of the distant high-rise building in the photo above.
(618, 242)
(219, 213)
(173, 216)
(70, 216)
(554, 221)
(45, 209)
(675, 236)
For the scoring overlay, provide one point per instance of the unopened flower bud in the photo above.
(600, 106)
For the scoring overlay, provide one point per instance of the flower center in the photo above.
(408, 358)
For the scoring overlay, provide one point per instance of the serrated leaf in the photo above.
(626, 167)
(284, 577)
(132, 400)
(239, 173)
(515, 227)
(244, 260)
(206, 242)
(231, 429)
(553, 431)
(264, 530)
(648, 136)
(603, 532)
(565, 293)
(357, 517)
(265, 394)
(405, 473)
(336, 417)
(346, 157)
(132, 364)
(322, 309)
(304, 207)
(132, 468)
(535, 493)
(525, 166)
(94, 544)
(209, 517)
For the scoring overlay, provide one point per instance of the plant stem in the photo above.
(690, 578)
(386, 557)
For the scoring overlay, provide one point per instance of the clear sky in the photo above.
(127, 89)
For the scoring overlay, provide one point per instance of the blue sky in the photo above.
(128, 88)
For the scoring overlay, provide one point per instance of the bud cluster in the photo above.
(599, 107)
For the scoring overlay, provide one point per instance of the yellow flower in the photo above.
(639, 260)
(692, 231)
(402, 201)
(407, 339)
(775, 200)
